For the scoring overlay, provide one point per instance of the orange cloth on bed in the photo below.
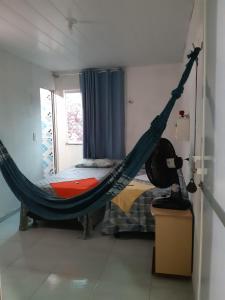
(68, 189)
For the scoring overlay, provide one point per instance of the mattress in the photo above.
(73, 174)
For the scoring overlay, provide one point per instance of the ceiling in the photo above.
(110, 32)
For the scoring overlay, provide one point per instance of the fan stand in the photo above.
(174, 201)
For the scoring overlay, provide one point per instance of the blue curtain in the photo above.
(104, 115)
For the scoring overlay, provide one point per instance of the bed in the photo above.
(115, 220)
(89, 221)
(138, 218)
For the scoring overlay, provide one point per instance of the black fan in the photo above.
(162, 170)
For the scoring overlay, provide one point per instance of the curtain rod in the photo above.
(58, 74)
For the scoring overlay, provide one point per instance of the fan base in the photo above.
(170, 203)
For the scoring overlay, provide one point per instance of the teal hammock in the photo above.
(51, 207)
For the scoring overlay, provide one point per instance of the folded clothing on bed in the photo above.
(67, 189)
(127, 197)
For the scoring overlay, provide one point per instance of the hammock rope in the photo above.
(51, 207)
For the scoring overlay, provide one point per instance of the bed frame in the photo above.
(88, 221)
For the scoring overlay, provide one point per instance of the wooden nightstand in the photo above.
(173, 241)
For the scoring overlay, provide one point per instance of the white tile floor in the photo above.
(47, 264)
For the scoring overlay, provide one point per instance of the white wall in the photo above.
(67, 155)
(149, 88)
(20, 82)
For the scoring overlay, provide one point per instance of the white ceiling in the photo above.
(120, 32)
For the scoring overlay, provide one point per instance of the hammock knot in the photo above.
(177, 92)
(194, 53)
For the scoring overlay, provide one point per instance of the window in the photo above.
(74, 117)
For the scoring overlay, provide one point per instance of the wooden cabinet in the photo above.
(173, 241)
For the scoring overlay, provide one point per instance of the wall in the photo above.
(67, 155)
(149, 88)
(20, 84)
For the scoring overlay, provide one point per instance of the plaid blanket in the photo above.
(139, 218)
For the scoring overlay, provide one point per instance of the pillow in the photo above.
(96, 163)
(143, 178)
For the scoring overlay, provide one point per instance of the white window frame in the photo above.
(64, 96)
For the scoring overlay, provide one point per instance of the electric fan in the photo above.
(163, 169)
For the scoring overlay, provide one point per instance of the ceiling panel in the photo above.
(18, 44)
(108, 32)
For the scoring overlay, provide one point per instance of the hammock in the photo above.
(51, 207)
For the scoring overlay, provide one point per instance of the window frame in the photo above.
(70, 91)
